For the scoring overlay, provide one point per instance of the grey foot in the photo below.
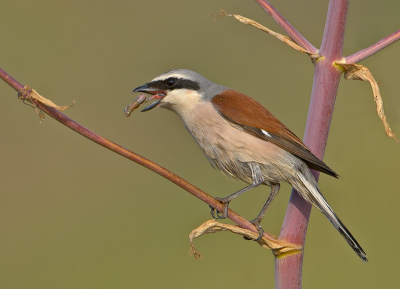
(256, 222)
(224, 213)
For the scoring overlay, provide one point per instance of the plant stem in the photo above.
(288, 269)
(297, 37)
(360, 55)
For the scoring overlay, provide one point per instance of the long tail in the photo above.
(319, 201)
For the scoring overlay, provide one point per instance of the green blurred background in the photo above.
(75, 215)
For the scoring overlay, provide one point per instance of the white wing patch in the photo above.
(265, 133)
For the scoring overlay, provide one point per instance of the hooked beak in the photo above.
(157, 94)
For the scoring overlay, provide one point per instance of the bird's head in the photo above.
(179, 90)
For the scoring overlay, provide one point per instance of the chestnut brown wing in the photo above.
(245, 112)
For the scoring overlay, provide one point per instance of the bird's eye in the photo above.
(171, 82)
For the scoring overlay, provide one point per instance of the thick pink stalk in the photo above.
(288, 268)
(360, 55)
(296, 36)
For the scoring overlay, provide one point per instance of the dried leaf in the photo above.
(286, 39)
(360, 72)
(28, 93)
(278, 247)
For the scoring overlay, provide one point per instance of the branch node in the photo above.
(29, 94)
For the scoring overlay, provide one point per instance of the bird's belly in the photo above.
(230, 149)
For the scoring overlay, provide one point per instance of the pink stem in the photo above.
(360, 55)
(293, 33)
(11, 81)
(288, 268)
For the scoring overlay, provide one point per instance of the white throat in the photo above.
(181, 101)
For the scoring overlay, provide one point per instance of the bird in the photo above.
(243, 140)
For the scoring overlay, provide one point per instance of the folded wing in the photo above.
(243, 111)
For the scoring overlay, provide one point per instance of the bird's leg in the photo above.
(225, 201)
(258, 179)
(256, 222)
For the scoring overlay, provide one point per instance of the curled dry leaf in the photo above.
(286, 39)
(278, 247)
(28, 93)
(360, 72)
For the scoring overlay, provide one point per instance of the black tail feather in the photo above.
(313, 195)
(347, 236)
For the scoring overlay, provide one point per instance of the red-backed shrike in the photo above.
(243, 140)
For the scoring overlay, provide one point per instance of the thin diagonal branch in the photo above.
(360, 55)
(133, 157)
(297, 37)
(285, 39)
